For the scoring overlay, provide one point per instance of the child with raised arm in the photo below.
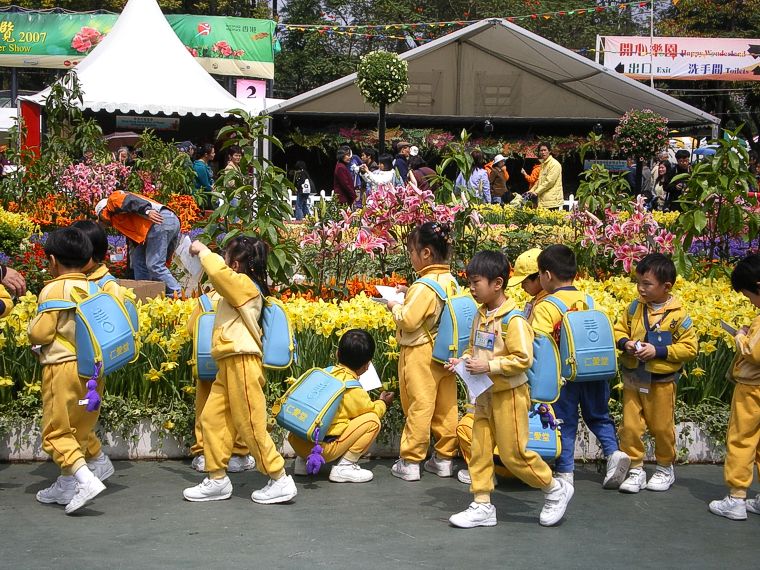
(504, 352)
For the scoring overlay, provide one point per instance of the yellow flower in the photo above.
(169, 425)
(188, 389)
(697, 372)
(32, 387)
(5, 381)
(153, 375)
(168, 366)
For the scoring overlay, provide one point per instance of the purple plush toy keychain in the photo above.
(92, 397)
(547, 418)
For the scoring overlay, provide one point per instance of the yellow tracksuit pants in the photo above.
(94, 447)
(236, 405)
(742, 440)
(66, 425)
(429, 399)
(354, 442)
(501, 418)
(655, 411)
(464, 434)
(202, 391)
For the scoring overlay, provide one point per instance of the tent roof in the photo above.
(142, 66)
(497, 70)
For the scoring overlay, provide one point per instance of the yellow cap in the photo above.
(526, 264)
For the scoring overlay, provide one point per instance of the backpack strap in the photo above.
(633, 307)
(557, 302)
(107, 278)
(508, 317)
(589, 301)
(55, 305)
(435, 286)
(685, 325)
(206, 304)
(352, 384)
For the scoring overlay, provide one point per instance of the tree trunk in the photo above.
(381, 130)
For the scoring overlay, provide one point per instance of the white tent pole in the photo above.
(651, 43)
(598, 48)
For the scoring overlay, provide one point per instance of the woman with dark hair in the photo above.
(548, 189)
(478, 181)
(343, 181)
(659, 197)
(204, 176)
(421, 173)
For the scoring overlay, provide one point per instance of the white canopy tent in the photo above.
(142, 66)
(496, 70)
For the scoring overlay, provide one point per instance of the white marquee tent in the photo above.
(497, 70)
(141, 66)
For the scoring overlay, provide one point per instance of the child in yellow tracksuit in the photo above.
(557, 269)
(505, 353)
(237, 404)
(743, 437)
(240, 460)
(357, 421)
(525, 273)
(656, 337)
(97, 272)
(66, 423)
(428, 391)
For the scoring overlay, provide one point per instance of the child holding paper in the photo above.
(357, 421)
(504, 353)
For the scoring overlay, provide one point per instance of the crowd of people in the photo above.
(654, 335)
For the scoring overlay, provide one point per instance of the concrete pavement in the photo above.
(141, 521)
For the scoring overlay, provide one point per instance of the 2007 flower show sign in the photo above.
(223, 46)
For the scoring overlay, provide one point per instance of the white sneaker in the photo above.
(405, 470)
(199, 463)
(440, 466)
(555, 504)
(617, 468)
(299, 467)
(209, 490)
(477, 514)
(240, 463)
(463, 475)
(662, 480)
(350, 473)
(86, 492)
(101, 467)
(635, 482)
(753, 505)
(280, 491)
(568, 478)
(731, 508)
(61, 491)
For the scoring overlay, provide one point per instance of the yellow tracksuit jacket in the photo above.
(236, 405)
(743, 439)
(672, 318)
(6, 302)
(546, 316)
(530, 305)
(427, 390)
(549, 185)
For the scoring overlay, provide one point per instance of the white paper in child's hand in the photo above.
(390, 293)
(476, 383)
(370, 380)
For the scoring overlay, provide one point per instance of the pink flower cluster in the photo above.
(225, 50)
(334, 237)
(641, 133)
(86, 39)
(439, 140)
(625, 241)
(91, 182)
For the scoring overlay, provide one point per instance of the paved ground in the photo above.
(142, 521)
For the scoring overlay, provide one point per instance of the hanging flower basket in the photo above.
(382, 78)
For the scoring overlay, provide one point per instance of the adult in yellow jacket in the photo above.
(504, 353)
(548, 189)
(356, 422)
(743, 437)
(657, 337)
(240, 460)
(428, 391)
(237, 404)
(66, 423)
(557, 269)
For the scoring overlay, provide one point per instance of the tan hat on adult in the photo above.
(402, 144)
(526, 265)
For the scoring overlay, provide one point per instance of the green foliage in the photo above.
(254, 199)
(713, 201)
(599, 189)
(170, 171)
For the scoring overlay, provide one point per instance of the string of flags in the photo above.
(385, 31)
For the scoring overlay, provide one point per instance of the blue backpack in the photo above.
(586, 343)
(129, 304)
(204, 365)
(278, 340)
(544, 376)
(308, 407)
(455, 324)
(105, 337)
(545, 441)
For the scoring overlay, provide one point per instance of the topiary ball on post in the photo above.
(382, 78)
(641, 134)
